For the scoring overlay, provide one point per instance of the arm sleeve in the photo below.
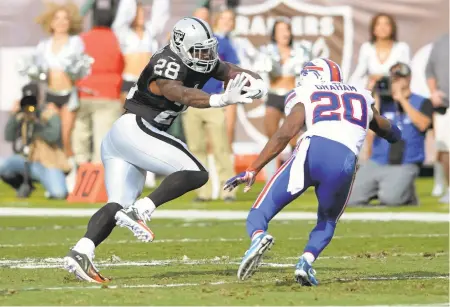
(50, 131)
(11, 128)
(361, 69)
(427, 108)
(126, 12)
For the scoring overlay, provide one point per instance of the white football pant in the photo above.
(131, 148)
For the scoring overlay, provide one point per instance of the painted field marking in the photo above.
(217, 283)
(234, 215)
(55, 263)
(206, 240)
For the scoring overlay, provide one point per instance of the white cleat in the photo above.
(131, 219)
(82, 267)
(254, 255)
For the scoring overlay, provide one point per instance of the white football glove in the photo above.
(257, 89)
(233, 93)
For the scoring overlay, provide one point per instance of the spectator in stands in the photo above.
(202, 13)
(136, 42)
(223, 25)
(381, 52)
(437, 73)
(100, 103)
(212, 122)
(61, 58)
(391, 172)
(280, 64)
(137, 37)
(40, 158)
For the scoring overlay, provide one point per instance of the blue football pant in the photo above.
(329, 167)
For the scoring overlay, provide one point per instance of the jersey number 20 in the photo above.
(355, 108)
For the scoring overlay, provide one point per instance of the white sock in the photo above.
(438, 174)
(145, 206)
(309, 257)
(85, 246)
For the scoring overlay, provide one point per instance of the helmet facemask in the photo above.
(201, 57)
(310, 77)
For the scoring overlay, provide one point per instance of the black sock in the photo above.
(102, 223)
(177, 184)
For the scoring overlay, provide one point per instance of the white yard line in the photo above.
(234, 215)
(197, 224)
(130, 286)
(218, 283)
(54, 263)
(206, 240)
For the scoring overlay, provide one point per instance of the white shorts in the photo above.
(442, 131)
(131, 148)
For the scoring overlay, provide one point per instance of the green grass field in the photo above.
(194, 262)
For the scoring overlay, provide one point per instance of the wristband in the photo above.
(394, 135)
(215, 101)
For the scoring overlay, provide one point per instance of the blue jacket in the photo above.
(226, 53)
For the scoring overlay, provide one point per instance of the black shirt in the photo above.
(158, 110)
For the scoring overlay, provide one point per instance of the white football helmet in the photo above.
(193, 41)
(320, 71)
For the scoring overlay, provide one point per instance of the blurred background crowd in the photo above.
(66, 84)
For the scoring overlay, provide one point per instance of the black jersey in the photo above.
(158, 110)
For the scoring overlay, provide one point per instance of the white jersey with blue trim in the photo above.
(336, 111)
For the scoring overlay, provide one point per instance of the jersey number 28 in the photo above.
(167, 69)
(354, 105)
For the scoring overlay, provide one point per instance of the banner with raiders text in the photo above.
(323, 31)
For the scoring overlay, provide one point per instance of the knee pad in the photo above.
(200, 177)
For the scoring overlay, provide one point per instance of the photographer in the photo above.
(390, 173)
(36, 137)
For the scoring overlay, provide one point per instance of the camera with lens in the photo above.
(383, 87)
(27, 118)
(29, 100)
(28, 104)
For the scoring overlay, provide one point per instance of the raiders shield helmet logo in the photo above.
(178, 37)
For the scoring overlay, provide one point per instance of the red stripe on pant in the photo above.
(269, 184)
(349, 192)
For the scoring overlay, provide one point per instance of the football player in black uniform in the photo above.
(138, 143)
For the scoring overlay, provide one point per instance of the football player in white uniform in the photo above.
(138, 143)
(337, 117)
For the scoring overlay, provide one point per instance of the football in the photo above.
(232, 74)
